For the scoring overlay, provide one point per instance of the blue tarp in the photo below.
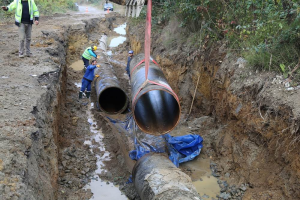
(181, 148)
(149, 144)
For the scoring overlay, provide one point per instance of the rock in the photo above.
(74, 120)
(225, 184)
(241, 62)
(243, 188)
(215, 174)
(225, 195)
(227, 175)
(223, 189)
(64, 163)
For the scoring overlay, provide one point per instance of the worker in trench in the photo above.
(128, 62)
(25, 11)
(88, 79)
(88, 54)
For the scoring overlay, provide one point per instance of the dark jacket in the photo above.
(128, 66)
(89, 73)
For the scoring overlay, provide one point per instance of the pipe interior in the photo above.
(156, 112)
(112, 100)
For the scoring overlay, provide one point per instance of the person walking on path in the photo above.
(128, 62)
(25, 11)
(88, 54)
(88, 79)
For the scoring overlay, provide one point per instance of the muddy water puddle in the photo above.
(206, 185)
(116, 41)
(109, 53)
(78, 85)
(77, 66)
(101, 189)
(121, 29)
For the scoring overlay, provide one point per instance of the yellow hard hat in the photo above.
(94, 48)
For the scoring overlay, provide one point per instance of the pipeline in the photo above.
(156, 177)
(155, 108)
(111, 98)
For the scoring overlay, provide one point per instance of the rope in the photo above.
(148, 37)
(147, 56)
(136, 66)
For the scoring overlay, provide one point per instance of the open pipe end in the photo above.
(113, 100)
(156, 112)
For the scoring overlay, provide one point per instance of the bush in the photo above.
(258, 29)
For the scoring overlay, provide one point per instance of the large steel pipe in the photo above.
(156, 109)
(112, 99)
(156, 177)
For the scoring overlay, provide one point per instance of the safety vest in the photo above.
(86, 54)
(17, 4)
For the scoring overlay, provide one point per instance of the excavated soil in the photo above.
(249, 121)
(44, 127)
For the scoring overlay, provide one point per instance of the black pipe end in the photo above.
(113, 100)
(157, 112)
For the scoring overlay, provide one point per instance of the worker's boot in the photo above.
(87, 94)
(80, 95)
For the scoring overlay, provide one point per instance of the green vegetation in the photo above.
(265, 32)
(51, 6)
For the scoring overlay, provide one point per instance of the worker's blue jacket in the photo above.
(89, 73)
(128, 66)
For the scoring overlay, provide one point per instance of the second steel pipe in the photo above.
(111, 98)
(155, 108)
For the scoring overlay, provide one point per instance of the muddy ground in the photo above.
(43, 125)
(249, 121)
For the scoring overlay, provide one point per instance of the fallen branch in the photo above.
(290, 73)
(260, 113)
(296, 67)
(194, 96)
(270, 62)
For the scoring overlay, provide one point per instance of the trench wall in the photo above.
(256, 131)
(35, 174)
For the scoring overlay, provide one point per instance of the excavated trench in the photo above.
(91, 162)
(250, 140)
